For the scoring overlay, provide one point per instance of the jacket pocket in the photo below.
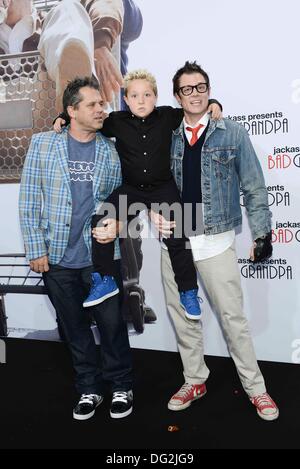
(223, 163)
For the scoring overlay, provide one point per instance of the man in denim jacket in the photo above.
(211, 160)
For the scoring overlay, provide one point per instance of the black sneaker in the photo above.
(86, 406)
(121, 404)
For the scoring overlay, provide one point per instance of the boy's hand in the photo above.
(215, 110)
(58, 124)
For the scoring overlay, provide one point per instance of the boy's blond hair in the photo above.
(140, 74)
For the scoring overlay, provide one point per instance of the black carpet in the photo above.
(37, 398)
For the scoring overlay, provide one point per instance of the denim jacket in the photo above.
(228, 165)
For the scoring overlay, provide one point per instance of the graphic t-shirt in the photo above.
(81, 167)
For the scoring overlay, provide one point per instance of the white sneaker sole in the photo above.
(184, 406)
(120, 416)
(268, 417)
(86, 304)
(193, 317)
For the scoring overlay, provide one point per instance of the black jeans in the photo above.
(181, 257)
(67, 289)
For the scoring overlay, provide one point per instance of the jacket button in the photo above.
(67, 224)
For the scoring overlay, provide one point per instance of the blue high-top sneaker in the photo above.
(189, 301)
(101, 289)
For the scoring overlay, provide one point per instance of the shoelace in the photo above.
(263, 400)
(87, 399)
(120, 396)
(184, 390)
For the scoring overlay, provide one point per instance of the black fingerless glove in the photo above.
(264, 248)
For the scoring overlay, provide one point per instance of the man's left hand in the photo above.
(262, 248)
(108, 73)
(215, 110)
(108, 232)
(164, 226)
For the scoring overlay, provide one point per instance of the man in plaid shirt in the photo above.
(65, 178)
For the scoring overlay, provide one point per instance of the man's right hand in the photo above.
(39, 265)
(58, 124)
(108, 232)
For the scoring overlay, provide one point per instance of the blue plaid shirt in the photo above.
(45, 201)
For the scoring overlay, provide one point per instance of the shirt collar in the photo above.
(143, 119)
(204, 121)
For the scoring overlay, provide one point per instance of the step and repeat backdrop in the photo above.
(249, 50)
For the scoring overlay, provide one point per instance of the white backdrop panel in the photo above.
(250, 51)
